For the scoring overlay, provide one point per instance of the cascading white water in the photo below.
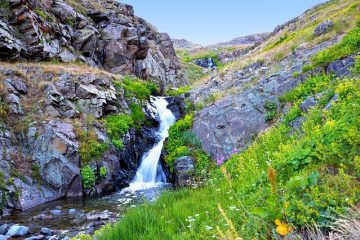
(150, 173)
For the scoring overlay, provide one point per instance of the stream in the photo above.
(68, 217)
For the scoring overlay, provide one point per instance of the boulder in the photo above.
(3, 237)
(184, 170)
(323, 27)
(18, 231)
(4, 228)
(341, 67)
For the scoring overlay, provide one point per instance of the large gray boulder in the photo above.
(184, 170)
(323, 27)
(18, 231)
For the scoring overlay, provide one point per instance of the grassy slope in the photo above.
(310, 175)
(300, 177)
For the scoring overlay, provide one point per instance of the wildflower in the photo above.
(208, 228)
(220, 160)
(282, 228)
(232, 208)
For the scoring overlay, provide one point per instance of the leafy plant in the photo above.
(103, 172)
(88, 177)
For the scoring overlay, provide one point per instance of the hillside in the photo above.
(281, 123)
(112, 130)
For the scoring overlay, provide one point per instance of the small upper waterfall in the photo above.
(150, 172)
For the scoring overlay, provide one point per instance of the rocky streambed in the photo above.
(63, 219)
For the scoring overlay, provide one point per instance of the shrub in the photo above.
(88, 177)
(295, 74)
(137, 115)
(103, 172)
(179, 91)
(307, 68)
(89, 148)
(117, 126)
(135, 87)
(176, 153)
(270, 110)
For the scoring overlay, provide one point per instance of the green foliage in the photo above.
(35, 171)
(356, 68)
(117, 126)
(140, 89)
(176, 153)
(4, 4)
(183, 142)
(315, 177)
(270, 110)
(348, 45)
(312, 85)
(307, 68)
(90, 148)
(88, 177)
(296, 74)
(137, 115)
(187, 57)
(280, 40)
(178, 91)
(103, 172)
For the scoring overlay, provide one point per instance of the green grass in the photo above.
(309, 176)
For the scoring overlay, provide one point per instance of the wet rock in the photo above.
(93, 216)
(3, 237)
(18, 231)
(184, 169)
(46, 231)
(56, 212)
(323, 27)
(72, 211)
(39, 237)
(4, 228)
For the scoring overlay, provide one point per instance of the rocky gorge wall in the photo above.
(61, 61)
(99, 33)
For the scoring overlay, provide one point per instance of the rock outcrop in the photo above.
(101, 33)
(231, 123)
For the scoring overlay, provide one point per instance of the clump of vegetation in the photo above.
(280, 40)
(271, 109)
(204, 54)
(88, 177)
(103, 171)
(35, 171)
(356, 68)
(295, 74)
(90, 148)
(348, 45)
(140, 89)
(183, 142)
(117, 126)
(178, 91)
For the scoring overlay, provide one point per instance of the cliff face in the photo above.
(61, 74)
(100, 33)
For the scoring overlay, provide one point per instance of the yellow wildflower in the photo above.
(282, 228)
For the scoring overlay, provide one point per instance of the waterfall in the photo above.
(150, 173)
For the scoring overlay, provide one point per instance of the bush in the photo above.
(103, 172)
(135, 87)
(88, 177)
(137, 115)
(117, 126)
(296, 74)
(307, 68)
(270, 110)
(179, 91)
(89, 148)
